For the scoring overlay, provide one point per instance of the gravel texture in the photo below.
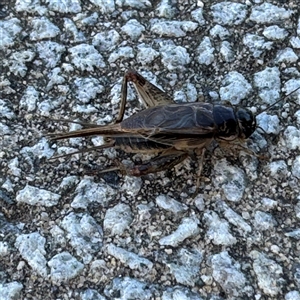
(68, 231)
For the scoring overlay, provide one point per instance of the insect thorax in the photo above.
(247, 122)
(226, 121)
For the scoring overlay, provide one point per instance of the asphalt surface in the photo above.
(69, 231)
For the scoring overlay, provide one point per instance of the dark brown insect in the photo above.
(172, 131)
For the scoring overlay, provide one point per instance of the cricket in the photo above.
(171, 131)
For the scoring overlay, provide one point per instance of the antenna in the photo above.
(281, 99)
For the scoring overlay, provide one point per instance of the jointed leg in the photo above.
(200, 168)
(123, 99)
(239, 147)
(157, 164)
(149, 94)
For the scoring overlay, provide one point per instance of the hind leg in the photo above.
(149, 94)
(157, 164)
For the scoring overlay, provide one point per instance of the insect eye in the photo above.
(247, 122)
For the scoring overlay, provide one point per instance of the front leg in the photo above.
(238, 146)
